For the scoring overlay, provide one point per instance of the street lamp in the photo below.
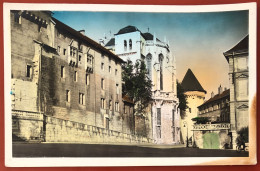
(187, 139)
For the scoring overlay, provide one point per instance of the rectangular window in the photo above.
(75, 76)
(64, 51)
(102, 103)
(117, 89)
(82, 98)
(79, 58)
(107, 123)
(102, 83)
(102, 66)
(173, 118)
(109, 69)
(117, 107)
(67, 96)
(87, 79)
(62, 72)
(124, 108)
(28, 71)
(110, 104)
(158, 116)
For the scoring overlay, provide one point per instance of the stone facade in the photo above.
(59, 72)
(162, 120)
(237, 58)
(37, 127)
(216, 109)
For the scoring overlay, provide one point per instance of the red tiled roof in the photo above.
(62, 26)
(216, 97)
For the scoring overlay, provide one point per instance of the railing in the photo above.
(163, 95)
(27, 115)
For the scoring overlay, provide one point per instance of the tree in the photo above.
(183, 104)
(137, 84)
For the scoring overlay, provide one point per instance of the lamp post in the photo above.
(187, 139)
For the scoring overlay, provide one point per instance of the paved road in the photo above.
(102, 150)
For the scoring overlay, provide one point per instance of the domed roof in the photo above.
(127, 29)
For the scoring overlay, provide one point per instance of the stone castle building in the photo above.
(63, 81)
(195, 97)
(163, 115)
(237, 57)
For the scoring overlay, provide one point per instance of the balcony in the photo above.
(72, 60)
(89, 64)
(158, 95)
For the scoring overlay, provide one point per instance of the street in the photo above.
(108, 150)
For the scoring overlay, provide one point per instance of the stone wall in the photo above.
(36, 126)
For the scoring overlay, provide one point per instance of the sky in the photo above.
(197, 40)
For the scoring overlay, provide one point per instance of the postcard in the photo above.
(129, 85)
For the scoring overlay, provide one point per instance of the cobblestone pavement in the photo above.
(108, 150)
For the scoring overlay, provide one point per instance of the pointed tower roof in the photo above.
(190, 82)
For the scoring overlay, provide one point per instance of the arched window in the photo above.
(130, 44)
(161, 71)
(149, 65)
(125, 45)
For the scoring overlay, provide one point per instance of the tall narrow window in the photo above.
(149, 65)
(109, 69)
(82, 98)
(117, 89)
(125, 45)
(130, 44)
(107, 123)
(62, 72)
(116, 106)
(64, 51)
(110, 104)
(102, 103)
(173, 118)
(28, 71)
(79, 58)
(67, 96)
(87, 79)
(75, 76)
(158, 116)
(161, 71)
(102, 66)
(102, 83)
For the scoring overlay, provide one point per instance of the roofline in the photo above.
(214, 100)
(87, 39)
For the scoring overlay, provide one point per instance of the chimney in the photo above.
(212, 94)
(220, 90)
(82, 32)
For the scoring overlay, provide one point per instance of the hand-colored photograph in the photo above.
(128, 84)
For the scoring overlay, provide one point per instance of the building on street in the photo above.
(65, 86)
(237, 57)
